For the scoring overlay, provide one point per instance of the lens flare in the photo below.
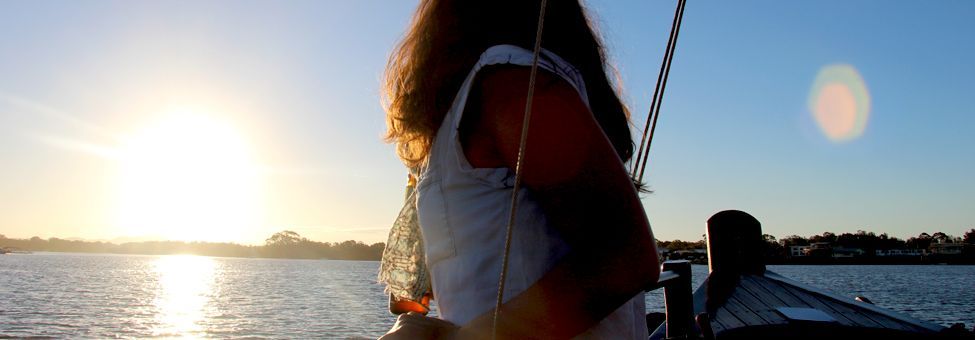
(840, 103)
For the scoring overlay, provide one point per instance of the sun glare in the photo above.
(188, 177)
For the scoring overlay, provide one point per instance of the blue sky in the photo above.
(299, 82)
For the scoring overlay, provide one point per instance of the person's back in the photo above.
(581, 248)
(465, 237)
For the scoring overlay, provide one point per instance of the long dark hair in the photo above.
(445, 39)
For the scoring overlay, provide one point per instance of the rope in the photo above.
(518, 168)
(658, 93)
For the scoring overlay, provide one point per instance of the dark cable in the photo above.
(658, 93)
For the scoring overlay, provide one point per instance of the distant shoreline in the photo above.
(950, 261)
(862, 248)
(931, 260)
(804, 262)
(927, 260)
(281, 245)
(174, 254)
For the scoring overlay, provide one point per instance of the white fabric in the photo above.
(463, 212)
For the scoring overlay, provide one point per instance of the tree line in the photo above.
(869, 242)
(860, 239)
(777, 250)
(289, 244)
(284, 244)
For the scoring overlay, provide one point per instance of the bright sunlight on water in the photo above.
(186, 287)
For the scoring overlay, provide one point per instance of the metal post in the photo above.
(678, 300)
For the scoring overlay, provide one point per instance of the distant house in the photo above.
(819, 249)
(798, 251)
(901, 252)
(947, 248)
(839, 252)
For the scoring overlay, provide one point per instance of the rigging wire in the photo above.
(643, 155)
(518, 168)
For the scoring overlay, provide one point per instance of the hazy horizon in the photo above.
(123, 239)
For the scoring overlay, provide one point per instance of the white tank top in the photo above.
(463, 213)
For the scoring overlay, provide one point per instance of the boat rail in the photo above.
(675, 279)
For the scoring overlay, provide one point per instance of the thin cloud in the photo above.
(30, 106)
(77, 145)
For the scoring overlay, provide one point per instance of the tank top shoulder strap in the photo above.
(515, 55)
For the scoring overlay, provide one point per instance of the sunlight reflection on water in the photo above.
(185, 286)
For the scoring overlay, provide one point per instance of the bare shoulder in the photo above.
(503, 91)
(560, 121)
(506, 88)
(491, 128)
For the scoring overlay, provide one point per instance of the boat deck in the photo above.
(742, 300)
(772, 300)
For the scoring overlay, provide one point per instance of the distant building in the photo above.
(819, 249)
(839, 252)
(798, 251)
(901, 252)
(947, 248)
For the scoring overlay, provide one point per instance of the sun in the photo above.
(188, 177)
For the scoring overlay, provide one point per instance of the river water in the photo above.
(101, 296)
